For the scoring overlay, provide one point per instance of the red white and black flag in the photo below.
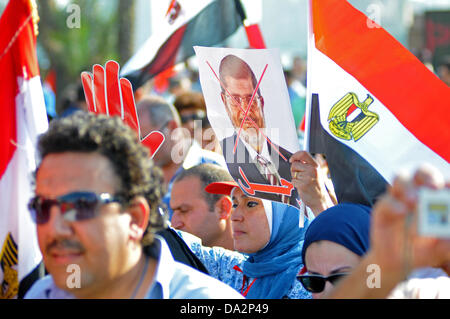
(22, 119)
(374, 109)
(187, 23)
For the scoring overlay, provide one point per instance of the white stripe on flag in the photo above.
(189, 9)
(388, 146)
(15, 183)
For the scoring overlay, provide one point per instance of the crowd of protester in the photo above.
(178, 226)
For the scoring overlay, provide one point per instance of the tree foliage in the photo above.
(76, 34)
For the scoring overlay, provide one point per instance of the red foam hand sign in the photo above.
(108, 94)
(153, 141)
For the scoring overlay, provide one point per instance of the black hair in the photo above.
(207, 174)
(110, 137)
(235, 67)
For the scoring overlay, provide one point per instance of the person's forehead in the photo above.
(324, 256)
(186, 190)
(60, 173)
(237, 193)
(235, 84)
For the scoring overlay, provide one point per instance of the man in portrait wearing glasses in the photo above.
(96, 190)
(262, 161)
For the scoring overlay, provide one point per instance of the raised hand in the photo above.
(308, 178)
(394, 237)
(108, 94)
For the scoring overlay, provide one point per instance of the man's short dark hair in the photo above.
(207, 174)
(190, 100)
(87, 132)
(235, 67)
(160, 111)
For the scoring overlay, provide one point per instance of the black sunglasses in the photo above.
(316, 283)
(74, 206)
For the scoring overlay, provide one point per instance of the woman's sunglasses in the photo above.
(316, 283)
(74, 206)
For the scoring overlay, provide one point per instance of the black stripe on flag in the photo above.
(354, 179)
(211, 26)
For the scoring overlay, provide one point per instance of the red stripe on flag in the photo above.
(302, 124)
(17, 59)
(167, 54)
(50, 79)
(254, 36)
(351, 109)
(413, 94)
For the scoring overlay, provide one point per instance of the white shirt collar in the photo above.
(165, 268)
(264, 152)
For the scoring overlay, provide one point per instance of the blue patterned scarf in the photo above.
(276, 265)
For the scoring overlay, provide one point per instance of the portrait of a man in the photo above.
(261, 160)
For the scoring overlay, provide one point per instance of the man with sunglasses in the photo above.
(91, 211)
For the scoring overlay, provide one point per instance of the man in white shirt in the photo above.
(92, 218)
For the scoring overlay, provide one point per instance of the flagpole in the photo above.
(307, 116)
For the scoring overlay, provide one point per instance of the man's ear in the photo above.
(224, 207)
(139, 211)
(262, 103)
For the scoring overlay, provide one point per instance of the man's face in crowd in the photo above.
(191, 212)
(163, 155)
(96, 245)
(236, 97)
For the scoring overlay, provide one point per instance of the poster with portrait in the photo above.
(248, 106)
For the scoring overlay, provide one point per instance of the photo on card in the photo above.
(434, 213)
(248, 106)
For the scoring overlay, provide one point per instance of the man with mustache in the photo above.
(97, 199)
(261, 160)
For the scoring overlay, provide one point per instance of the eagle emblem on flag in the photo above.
(345, 126)
(174, 11)
(8, 259)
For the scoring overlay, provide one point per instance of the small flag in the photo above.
(23, 118)
(254, 36)
(187, 23)
(374, 108)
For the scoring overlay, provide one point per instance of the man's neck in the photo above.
(257, 143)
(226, 241)
(137, 277)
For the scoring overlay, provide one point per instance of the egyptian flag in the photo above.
(187, 23)
(22, 119)
(374, 108)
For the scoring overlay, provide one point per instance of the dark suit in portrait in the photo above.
(254, 170)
